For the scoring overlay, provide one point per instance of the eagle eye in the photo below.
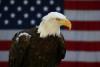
(58, 19)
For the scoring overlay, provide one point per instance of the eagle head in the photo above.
(51, 23)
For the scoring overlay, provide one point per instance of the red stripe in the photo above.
(82, 46)
(66, 64)
(80, 64)
(83, 5)
(81, 0)
(5, 45)
(69, 45)
(3, 64)
(86, 25)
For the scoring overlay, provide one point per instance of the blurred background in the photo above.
(82, 43)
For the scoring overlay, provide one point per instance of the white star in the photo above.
(19, 8)
(32, 22)
(39, 15)
(6, 22)
(12, 15)
(38, 2)
(32, 8)
(58, 8)
(45, 8)
(25, 15)
(6, 8)
(19, 22)
(51, 2)
(25, 2)
(12, 2)
(0, 15)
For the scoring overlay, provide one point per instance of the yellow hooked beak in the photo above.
(66, 23)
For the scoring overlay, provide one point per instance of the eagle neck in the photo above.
(48, 28)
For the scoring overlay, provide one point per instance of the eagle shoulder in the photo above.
(23, 36)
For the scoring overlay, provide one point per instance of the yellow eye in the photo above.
(58, 19)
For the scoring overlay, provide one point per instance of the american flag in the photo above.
(82, 43)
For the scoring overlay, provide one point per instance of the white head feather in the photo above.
(54, 15)
(49, 24)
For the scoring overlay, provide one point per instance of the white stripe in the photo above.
(70, 56)
(81, 35)
(4, 55)
(68, 35)
(83, 15)
(82, 56)
(7, 34)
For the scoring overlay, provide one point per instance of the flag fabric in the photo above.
(82, 43)
(21, 14)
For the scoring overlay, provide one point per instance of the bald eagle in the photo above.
(41, 46)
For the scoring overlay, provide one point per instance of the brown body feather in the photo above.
(36, 51)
